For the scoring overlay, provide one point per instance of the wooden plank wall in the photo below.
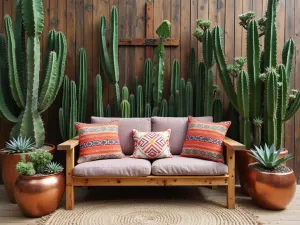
(79, 20)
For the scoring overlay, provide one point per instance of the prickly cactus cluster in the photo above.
(262, 96)
(22, 97)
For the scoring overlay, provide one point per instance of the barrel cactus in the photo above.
(30, 97)
(265, 77)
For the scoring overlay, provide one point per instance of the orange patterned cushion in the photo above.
(99, 141)
(151, 145)
(204, 140)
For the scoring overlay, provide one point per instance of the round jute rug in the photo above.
(150, 212)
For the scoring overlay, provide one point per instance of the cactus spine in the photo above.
(189, 98)
(110, 64)
(98, 102)
(132, 105)
(82, 90)
(24, 89)
(148, 80)
(163, 31)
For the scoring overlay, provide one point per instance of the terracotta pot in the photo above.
(272, 190)
(39, 195)
(9, 173)
(243, 160)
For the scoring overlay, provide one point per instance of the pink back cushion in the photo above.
(178, 126)
(126, 125)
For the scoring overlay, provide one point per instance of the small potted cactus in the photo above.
(41, 181)
(23, 96)
(272, 184)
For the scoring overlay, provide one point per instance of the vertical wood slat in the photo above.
(149, 27)
(79, 20)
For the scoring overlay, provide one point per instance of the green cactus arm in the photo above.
(135, 84)
(98, 102)
(33, 17)
(270, 51)
(20, 44)
(73, 110)
(66, 104)
(164, 108)
(253, 56)
(105, 64)
(48, 87)
(209, 92)
(171, 107)
(293, 107)
(32, 124)
(125, 109)
(62, 123)
(217, 110)
(148, 80)
(288, 54)
(222, 67)
(117, 99)
(82, 86)
(189, 98)
(159, 67)
(207, 49)
(139, 102)
(125, 93)
(179, 104)
(175, 77)
(155, 111)
(114, 40)
(15, 85)
(164, 30)
(182, 96)
(148, 110)
(243, 103)
(132, 105)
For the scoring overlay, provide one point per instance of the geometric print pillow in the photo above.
(98, 141)
(204, 140)
(151, 145)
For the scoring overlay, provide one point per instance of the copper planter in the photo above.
(39, 195)
(272, 190)
(9, 173)
(243, 160)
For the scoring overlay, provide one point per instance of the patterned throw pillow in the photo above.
(151, 145)
(204, 140)
(98, 141)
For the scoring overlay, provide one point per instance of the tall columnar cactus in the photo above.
(182, 96)
(164, 108)
(148, 81)
(175, 77)
(189, 98)
(148, 110)
(172, 106)
(110, 64)
(179, 104)
(24, 89)
(98, 100)
(132, 105)
(139, 102)
(125, 93)
(125, 109)
(200, 89)
(155, 111)
(217, 107)
(278, 106)
(82, 86)
(163, 31)
(107, 111)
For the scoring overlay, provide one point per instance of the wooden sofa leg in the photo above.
(231, 179)
(69, 180)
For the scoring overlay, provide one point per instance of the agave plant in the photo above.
(53, 167)
(19, 145)
(268, 157)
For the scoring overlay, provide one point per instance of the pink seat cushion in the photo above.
(178, 126)
(126, 125)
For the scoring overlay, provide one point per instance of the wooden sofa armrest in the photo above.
(234, 145)
(69, 144)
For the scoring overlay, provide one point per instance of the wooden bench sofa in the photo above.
(227, 179)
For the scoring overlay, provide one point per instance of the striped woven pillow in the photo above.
(99, 141)
(204, 140)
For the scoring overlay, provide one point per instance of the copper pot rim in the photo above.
(270, 173)
(18, 154)
(38, 177)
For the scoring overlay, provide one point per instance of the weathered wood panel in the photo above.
(79, 20)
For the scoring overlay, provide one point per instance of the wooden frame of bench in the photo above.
(224, 180)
